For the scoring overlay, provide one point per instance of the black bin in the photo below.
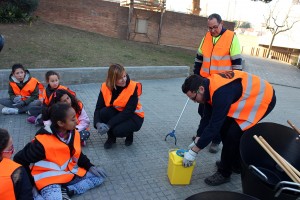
(261, 176)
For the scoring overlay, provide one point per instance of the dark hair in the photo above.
(216, 16)
(4, 138)
(51, 73)
(15, 67)
(74, 101)
(58, 112)
(192, 83)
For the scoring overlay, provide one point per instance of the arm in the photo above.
(128, 111)
(100, 104)
(84, 121)
(84, 162)
(222, 100)
(31, 153)
(198, 59)
(235, 54)
(22, 185)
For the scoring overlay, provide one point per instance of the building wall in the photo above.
(110, 19)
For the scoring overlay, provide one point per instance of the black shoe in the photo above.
(216, 179)
(235, 169)
(129, 139)
(66, 193)
(109, 142)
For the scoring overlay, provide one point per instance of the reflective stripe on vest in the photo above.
(27, 90)
(216, 57)
(58, 167)
(7, 168)
(253, 104)
(121, 101)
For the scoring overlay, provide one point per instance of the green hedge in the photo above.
(17, 10)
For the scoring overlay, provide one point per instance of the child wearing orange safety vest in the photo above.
(54, 158)
(14, 181)
(40, 113)
(24, 91)
(83, 121)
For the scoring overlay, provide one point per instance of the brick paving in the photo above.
(140, 171)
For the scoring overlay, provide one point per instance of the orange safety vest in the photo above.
(28, 88)
(121, 101)
(7, 168)
(253, 104)
(47, 99)
(216, 57)
(58, 167)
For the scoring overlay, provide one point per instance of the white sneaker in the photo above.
(10, 111)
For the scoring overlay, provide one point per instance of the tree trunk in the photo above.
(271, 44)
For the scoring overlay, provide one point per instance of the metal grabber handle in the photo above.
(172, 133)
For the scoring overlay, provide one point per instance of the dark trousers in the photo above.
(123, 129)
(231, 134)
(217, 138)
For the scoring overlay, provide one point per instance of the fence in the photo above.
(262, 52)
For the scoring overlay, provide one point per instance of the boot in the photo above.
(110, 141)
(129, 139)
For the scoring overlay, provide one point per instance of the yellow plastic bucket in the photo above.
(179, 175)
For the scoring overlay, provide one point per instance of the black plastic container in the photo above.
(224, 195)
(286, 142)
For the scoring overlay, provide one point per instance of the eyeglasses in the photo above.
(195, 97)
(214, 27)
(11, 150)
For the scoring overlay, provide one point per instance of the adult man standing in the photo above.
(219, 51)
(234, 102)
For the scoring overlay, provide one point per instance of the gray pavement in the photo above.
(140, 171)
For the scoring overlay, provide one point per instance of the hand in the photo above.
(17, 99)
(189, 158)
(102, 128)
(97, 171)
(20, 104)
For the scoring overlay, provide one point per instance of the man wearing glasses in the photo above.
(219, 51)
(234, 102)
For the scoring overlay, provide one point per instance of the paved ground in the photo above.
(140, 171)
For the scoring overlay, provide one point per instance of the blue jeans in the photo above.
(79, 185)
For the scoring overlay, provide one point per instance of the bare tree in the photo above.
(277, 25)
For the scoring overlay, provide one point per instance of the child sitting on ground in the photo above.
(40, 113)
(83, 121)
(54, 158)
(23, 91)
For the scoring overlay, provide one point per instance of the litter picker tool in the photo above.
(172, 133)
(293, 126)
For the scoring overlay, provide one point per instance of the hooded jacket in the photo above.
(34, 95)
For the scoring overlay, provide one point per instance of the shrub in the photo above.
(17, 10)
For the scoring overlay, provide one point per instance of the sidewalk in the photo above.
(140, 171)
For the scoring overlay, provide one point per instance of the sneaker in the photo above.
(216, 179)
(109, 142)
(129, 140)
(10, 111)
(66, 193)
(236, 170)
(31, 119)
(214, 148)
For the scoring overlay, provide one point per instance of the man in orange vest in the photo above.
(219, 51)
(234, 102)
